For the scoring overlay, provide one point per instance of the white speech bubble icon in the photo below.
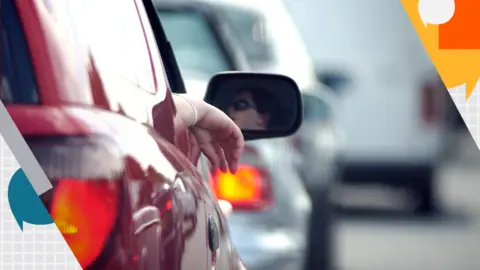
(436, 11)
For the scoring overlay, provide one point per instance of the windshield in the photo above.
(194, 43)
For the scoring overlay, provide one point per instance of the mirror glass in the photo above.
(257, 102)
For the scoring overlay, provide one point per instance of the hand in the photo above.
(215, 134)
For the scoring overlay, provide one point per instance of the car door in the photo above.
(169, 219)
(192, 200)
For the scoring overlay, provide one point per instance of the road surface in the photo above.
(397, 241)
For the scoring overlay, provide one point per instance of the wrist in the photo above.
(187, 109)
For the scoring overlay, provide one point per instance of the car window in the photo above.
(195, 45)
(18, 83)
(137, 46)
(119, 44)
(315, 108)
(250, 28)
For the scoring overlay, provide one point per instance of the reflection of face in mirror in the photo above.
(248, 110)
(261, 103)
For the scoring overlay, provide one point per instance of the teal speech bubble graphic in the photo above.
(25, 204)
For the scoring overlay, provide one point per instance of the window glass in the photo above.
(17, 76)
(137, 45)
(250, 28)
(195, 45)
(118, 42)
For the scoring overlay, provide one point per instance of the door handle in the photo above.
(213, 237)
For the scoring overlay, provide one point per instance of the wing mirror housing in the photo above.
(262, 105)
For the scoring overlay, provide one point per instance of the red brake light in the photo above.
(247, 189)
(433, 101)
(428, 106)
(85, 199)
(85, 213)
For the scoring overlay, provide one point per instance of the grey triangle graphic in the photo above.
(22, 153)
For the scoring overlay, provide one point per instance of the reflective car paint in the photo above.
(164, 222)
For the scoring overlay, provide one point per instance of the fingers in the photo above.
(210, 152)
(220, 139)
(221, 155)
(195, 150)
(214, 152)
(232, 149)
(232, 158)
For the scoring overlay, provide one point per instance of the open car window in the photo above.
(18, 85)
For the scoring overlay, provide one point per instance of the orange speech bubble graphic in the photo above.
(452, 46)
(458, 33)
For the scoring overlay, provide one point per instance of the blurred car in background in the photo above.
(269, 39)
(202, 47)
(318, 140)
(393, 111)
(271, 209)
(271, 42)
(319, 170)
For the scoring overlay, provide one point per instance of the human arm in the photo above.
(215, 134)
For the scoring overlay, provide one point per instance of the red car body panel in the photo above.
(164, 220)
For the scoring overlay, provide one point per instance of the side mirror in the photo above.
(262, 105)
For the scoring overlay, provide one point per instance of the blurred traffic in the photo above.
(376, 114)
(271, 208)
(364, 174)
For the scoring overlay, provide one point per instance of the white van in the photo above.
(394, 113)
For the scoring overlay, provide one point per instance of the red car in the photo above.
(89, 87)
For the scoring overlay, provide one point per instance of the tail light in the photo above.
(248, 189)
(433, 102)
(85, 199)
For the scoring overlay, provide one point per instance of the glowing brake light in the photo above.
(247, 189)
(86, 174)
(85, 213)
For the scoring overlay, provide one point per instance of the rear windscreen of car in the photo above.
(18, 84)
(194, 43)
(250, 28)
